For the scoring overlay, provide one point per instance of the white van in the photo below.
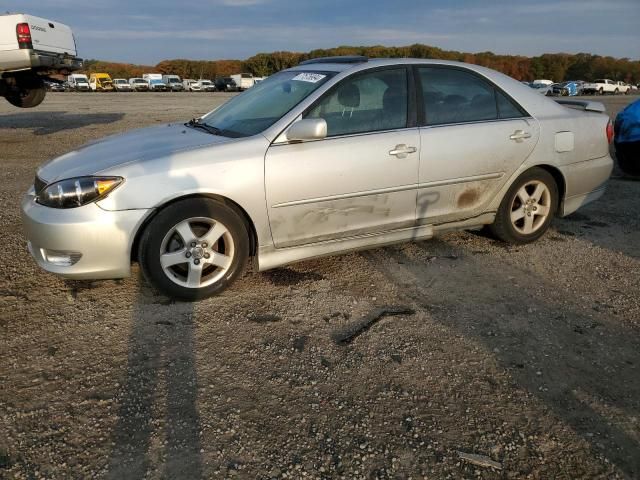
(173, 83)
(78, 82)
(31, 49)
(243, 81)
(156, 84)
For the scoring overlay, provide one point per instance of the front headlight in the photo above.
(75, 192)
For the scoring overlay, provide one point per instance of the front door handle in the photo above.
(519, 135)
(401, 151)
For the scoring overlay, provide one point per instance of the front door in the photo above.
(361, 179)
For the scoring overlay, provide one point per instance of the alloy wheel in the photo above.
(197, 252)
(530, 207)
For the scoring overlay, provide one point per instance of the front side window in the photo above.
(264, 104)
(452, 95)
(368, 102)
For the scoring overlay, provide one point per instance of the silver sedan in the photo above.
(331, 156)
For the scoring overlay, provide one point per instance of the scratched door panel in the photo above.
(464, 166)
(341, 187)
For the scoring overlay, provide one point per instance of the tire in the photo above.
(522, 230)
(193, 276)
(601, 91)
(616, 91)
(28, 92)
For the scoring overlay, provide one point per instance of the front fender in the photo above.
(233, 170)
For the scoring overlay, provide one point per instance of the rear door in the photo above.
(359, 180)
(51, 36)
(473, 138)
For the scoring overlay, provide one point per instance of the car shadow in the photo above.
(160, 389)
(558, 353)
(46, 123)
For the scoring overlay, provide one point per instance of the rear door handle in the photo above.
(401, 151)
(519, 135)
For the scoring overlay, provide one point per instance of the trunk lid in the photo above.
(51, 36)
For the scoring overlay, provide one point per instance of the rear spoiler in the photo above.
(583, 105)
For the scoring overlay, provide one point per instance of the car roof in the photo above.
(340, 66)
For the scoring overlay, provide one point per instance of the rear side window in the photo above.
(369, 102)
(454, 96)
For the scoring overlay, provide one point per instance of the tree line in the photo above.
(552, 66)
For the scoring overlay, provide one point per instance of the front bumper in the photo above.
(103, 238)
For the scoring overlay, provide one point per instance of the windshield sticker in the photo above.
(309, 77)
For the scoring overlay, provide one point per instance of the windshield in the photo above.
(174, 80)
(262, 105)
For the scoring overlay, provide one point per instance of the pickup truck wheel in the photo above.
(616, 91)
(194, 249)
(601, 91)
(527, 209)
(27, 93)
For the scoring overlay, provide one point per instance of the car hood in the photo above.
(135, 146)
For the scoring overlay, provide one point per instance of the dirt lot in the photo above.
(527, 355)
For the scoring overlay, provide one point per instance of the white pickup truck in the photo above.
(31, 49)
(601, 87)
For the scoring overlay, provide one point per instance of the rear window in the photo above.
(452, 95)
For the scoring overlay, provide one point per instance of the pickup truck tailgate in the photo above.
(51, 36)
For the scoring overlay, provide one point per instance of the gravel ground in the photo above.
(390, 363)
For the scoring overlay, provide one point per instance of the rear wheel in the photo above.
(616, 91)
(26, 91)
(601, 91)
(194, 249)
(527, 209)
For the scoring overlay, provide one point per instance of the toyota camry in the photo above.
(333, 155)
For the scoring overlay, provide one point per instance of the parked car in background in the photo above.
(100, 82)
(155, 82)
(542, 89)
(78, 82)
(623, 87)
(122, 85)
(191, 85)
(31, 50)
(139, 84)
(225, 84)
(627, 138)
(173, 82)
(54, 86)
(565, 89)
(327, 157)
(243, 81)
(600, 87)
(206, 85)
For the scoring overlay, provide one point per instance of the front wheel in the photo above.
(527, 209)
(194, 249)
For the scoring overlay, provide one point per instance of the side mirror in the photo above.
(307, 129)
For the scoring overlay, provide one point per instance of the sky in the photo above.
(147, 31)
